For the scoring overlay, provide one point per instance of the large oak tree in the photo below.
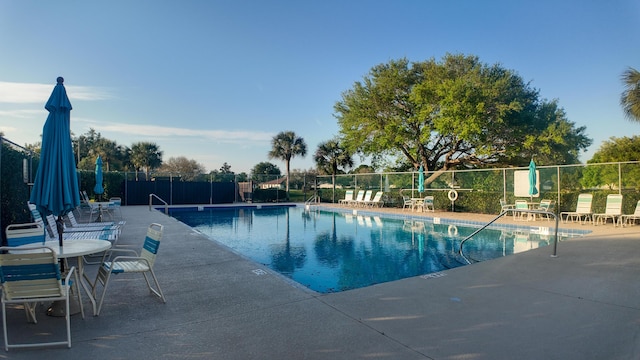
(454, 113)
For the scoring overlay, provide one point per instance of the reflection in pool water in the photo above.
(336, 251)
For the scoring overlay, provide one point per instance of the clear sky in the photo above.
(215, 80)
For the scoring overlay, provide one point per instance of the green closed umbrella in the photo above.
(421, 180)
(98, 189)
(55, 187)
(533, 190)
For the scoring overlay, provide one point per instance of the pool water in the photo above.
(335, 251)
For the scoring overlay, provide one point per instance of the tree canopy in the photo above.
(614, 150)
(147, 156)
(330, 157)
(188, 170)
(285, 146)
(265, 168)
(630, 98)
(454, 113)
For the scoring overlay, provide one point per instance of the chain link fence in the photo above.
(480, 190)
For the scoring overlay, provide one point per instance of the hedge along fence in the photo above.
(17, 164)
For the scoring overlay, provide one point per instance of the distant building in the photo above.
(274, 184)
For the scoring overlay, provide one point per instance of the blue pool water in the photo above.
(336, 251)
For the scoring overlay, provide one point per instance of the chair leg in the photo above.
(102, 278)
(4, 326)
(157, 292)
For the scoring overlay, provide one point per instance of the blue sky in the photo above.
(215, 80)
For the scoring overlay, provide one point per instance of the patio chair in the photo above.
(114, 207)
(520, 205)
(504, 206)
(630, 219)
(29, 276)
(131, 262)
(348, 197)
(427, 204)
(546, 205)
(613, 210)
(23, 234)
(583, 210)
(87, 208)
(407, 202)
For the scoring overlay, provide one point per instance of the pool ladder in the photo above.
(166, 206)
(312, 200)
(503, 213)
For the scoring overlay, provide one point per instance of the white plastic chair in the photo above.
(520, 205)
(29, 276)
(131, 262)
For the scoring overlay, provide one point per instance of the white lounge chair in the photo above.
(613, 210)
(583, 210)
(348, 197)
(358, 199)
(630, 219)
(52, 233)
(366, 199)
(71, 233)
(131, 262)
(377, 200)
(105, 224)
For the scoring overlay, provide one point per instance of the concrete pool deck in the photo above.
(583, 304)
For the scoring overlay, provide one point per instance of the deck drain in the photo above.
(259, 272)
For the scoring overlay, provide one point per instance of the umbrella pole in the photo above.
(60, 227)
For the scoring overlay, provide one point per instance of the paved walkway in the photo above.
(584, 304)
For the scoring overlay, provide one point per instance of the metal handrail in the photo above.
(504, 212)
(313, 199)
(166, 206)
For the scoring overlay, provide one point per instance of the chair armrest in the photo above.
(119, 249)
(67, 278)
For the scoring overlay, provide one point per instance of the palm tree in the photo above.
(630, 99)
(285, 146)
(329, 157)
(147, 156)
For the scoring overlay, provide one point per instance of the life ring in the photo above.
(452, 195)
(452, 230)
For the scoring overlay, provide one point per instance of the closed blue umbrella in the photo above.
(533, 190)
(420, 179)
(55, 188)
(98, 189)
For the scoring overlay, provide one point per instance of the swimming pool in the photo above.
(329, 251)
